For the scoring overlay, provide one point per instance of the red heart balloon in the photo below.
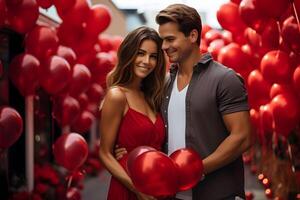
(11, 126)
(154, 173)
(23, 71)
(135, 153)
(189, 167)
(100, 15)
(70, 150)
(42, 42)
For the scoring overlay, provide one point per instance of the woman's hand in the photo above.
(142, 196)
(119, 152)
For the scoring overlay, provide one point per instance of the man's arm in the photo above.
(239, 126)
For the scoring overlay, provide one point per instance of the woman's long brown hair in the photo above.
(122, 74)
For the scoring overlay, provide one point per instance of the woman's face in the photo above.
(146, 59)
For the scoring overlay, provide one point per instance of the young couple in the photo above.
(201, 105)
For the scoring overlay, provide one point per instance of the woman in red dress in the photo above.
(130, 110)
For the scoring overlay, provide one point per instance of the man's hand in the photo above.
(119, 152)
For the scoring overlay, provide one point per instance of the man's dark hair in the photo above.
(185, 16)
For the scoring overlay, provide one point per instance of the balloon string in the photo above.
(296, 15)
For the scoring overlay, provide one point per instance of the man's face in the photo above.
(175, 43)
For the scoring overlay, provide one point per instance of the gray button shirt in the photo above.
(213, 91)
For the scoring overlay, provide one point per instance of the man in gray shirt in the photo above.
(217, 123)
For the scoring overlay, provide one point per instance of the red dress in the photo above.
(136, 129)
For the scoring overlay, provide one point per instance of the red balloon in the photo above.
(134, 154)
(84, 122)
(277, 89)
(42, 42)
(154, 173)
(70, 150)
(69, 35)
(95, 93)
(63, 6)
(266, 117)
(285, 110)
(251, 16)
(22, 15)
(1, 69)
(100, 15)
(270, 36)
(101, 66)
(45, 3)
(55, 75)
(23, 71)
(229, 18)
(83, 101)
(232, 56)
(258, 89)
(212, 35)
(68, 54)
(205, 28)
(253, 38)
(76, 14)
(227, 37)
(252, 54)
(189, 167)
(275, 67)
(278, 7)
(66, 110)
(2, 12)
(11, 126)
(81, 80)
(291, 34)
(254, 116)
(296, 80)
(215, 46)
(105, 42)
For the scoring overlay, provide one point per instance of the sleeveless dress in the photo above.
(136, 129)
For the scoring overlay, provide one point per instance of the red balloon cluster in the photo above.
(70, 150)
(156, 174)
(264, 49)
(11, 126)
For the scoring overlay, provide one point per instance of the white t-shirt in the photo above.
(176, 126)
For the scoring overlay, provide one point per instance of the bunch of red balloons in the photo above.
(261, 42)
(156, 174)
